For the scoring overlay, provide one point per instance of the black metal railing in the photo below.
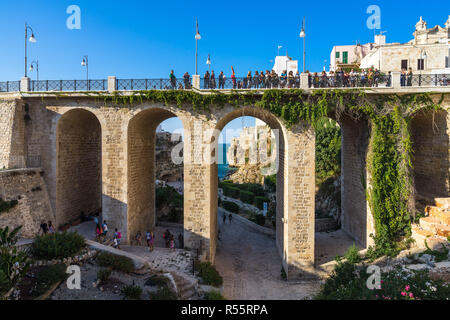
(425, 80)
(272, 81)
(153, 84)
(321, 80)
(9, 86)
(69, 85)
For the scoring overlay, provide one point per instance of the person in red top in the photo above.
(233, 78)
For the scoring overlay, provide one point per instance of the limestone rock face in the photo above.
(248, 173)
(166, 169)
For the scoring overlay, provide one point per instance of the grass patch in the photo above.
(208, 273)
(214, 295)
(58, 245)
(115, 262)
(131, 292)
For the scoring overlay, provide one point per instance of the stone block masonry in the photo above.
(98, 157)
(28, 187)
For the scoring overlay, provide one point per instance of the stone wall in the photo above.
(28, 187)
(354, 215)
(12, 130)
(430, 137)
(78, 185)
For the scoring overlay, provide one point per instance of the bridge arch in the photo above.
(281, 211)
(141, 141)
(78, 165)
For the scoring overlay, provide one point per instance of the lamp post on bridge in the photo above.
(85, 63)
(303, 35)
(197, 37)
(31, 39)
(36, 63)
(208, 62)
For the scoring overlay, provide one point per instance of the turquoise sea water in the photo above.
(222, 166)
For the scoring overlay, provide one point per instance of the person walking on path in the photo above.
(181, 241)
(230, 217)
(117, 237)
(139, 238)
(51, 229)
(224, 218)
(98, 232)
(105, 230)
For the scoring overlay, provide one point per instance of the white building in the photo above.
(428, 52)
(285, 63)
(348, 56)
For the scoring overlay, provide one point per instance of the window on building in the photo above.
(420, 64)
(404, 64)
(345, 57)
(337, 55)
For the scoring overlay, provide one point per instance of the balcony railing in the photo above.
(9, 86)
(313, 81)
(425, 80)
(68, 85)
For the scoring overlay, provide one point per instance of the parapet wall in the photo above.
(28, 187)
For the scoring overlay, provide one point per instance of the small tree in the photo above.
(13, 263)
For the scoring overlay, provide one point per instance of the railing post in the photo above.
(396, 79)
(196, 81)
(112, 84)
(24, 84)
(304, 81)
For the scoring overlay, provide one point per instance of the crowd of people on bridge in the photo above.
(270, 79)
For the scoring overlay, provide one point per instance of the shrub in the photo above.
(257, 189)
(57, 245)
(347, 282)
(168, 196)
(214, 295)
(257, 218)
(271, 182)
(13, 263)
(259, 202)
(5, 206)
(48, 276)
(103, 275)
(131, 292)
(328, 148)
(208, 273)
(230, 206)
(352, 254)
(115, 262)
(247, 196)
(163, 293)
(228, 181)
(230, 191)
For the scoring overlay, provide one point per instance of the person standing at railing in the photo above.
(261, 79)
(256, 80)
(297, 79)
(403, 78)
(323, 79)
(331, 79)
(353, 76)
(173, 80)
(274, 79)
(310, 79)
(233, 78)
(316, 80)
(283, 79)
(389, 79)
(409, 77)
(248, 81)
(290, 79)
(206, 80)
(221, 80)
(187, 80)
(212, 80)
(267, 79)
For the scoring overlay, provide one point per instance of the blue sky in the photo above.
(145, 39)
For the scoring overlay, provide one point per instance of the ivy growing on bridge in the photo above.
(390, 149)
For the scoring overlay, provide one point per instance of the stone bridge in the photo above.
(100, 158)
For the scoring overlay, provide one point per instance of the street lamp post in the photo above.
(31, 39)
(208, 62)
(303, 35)
(85, 63)
(197, 37)
(36, 63)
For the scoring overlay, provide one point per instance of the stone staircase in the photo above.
(186, 286)
(435, 227)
